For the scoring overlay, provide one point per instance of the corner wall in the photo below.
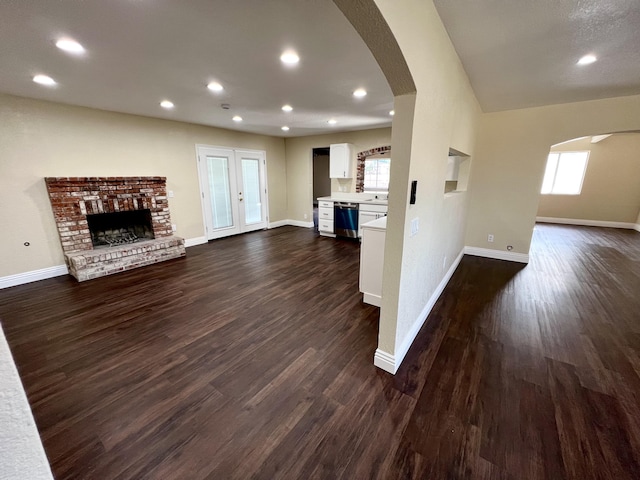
(43, 139)
(611, 187)
(510, 159)
(440, 113)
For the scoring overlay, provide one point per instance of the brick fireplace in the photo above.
(112, 224)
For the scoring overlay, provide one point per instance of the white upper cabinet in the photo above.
(340, 158)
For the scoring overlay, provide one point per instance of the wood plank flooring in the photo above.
(252, 358)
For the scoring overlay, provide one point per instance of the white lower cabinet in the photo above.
(325, 218)
(372, 261)
(368, 212)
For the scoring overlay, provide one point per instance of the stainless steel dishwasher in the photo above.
(346, 219)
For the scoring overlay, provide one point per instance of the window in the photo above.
(376, 174)
(565, 173)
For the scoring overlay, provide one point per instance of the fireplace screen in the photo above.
(109, 229)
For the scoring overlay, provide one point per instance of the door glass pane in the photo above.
(251, 193)
(218, 168)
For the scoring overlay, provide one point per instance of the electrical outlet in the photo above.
(305, 216)
(170, 192)
(174, 227)
(490, 237)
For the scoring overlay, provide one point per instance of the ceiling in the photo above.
(140, 52)
(517, 53)
(523, 53)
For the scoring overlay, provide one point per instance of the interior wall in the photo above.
(510, 159)
(443, 114)
(299, 166)
(611, 187)
(42, 139)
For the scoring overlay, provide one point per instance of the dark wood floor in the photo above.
(252, 358)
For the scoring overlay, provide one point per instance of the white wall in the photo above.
(442, 114)
(21, 453)
(40, 139)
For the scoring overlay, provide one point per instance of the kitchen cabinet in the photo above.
(340, 160)
(372, 261)
(325, 218)
(369, 212)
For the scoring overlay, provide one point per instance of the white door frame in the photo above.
(203, 183)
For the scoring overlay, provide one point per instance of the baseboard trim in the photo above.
(279, 223)
(375, 300)
(637, 227)
(192, 242)
(293, 223)
(299, 223)
(385, 361)
(33, 276)
(586, 223)
(390, 363)
(497, 254)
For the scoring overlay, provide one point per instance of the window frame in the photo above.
(555, 173)
(375, 158)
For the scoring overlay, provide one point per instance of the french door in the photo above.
(233, 190)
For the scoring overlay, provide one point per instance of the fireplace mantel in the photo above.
(73, 198)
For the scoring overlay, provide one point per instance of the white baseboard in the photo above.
(293, 223)
(385, 361)
(636, 227)
(586, 223)
(279, 223)
(497, 254)
(299, 223)
(33, 276)
(371, 299)
(192, 242)
(390, 363)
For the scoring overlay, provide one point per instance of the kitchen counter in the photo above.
(378, 224)
(354, 198)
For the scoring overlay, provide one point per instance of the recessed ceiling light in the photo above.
(237, 118)
(44, 80)
(166, 104)
(287, 108)
(289, 57)
(69, 45)
(215, 87)
(587, 59)
(333, 121)
(392, 112)
(285, 128)
(359, 93)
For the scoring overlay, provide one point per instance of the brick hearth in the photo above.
(73, 198)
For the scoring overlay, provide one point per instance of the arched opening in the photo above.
(593, 181)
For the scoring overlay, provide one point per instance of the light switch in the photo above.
(414, 226)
